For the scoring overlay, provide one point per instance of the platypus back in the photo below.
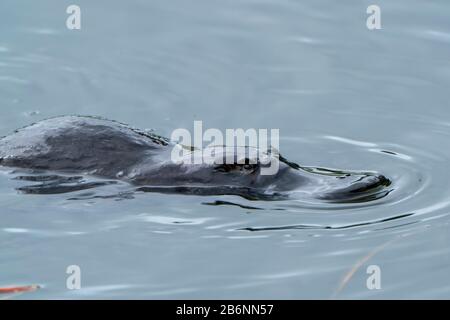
(75, 143)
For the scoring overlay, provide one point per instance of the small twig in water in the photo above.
(16, 290)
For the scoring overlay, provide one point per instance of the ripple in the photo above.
(326, 227)
(14, 80)
(167, 220)
(101, 289)
(417, 194)
(16, 230)
(42, 232)
(43, 31)
(351, 141)
(437, 35)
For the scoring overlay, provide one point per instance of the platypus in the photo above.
(86, 145)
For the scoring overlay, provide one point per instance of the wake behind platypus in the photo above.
(59, 151)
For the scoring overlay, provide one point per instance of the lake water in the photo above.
(342, 96)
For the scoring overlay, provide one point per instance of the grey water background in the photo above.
(341, 95)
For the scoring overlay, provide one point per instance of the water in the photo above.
(341, 95)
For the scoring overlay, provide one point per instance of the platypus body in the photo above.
(108, 149)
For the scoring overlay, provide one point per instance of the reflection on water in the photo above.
(342, 97)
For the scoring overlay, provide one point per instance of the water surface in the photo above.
(341, 95)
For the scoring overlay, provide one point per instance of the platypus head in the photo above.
(224, 166)
(256, 175)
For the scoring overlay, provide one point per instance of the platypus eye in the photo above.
(246, 166)
(251, 167)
